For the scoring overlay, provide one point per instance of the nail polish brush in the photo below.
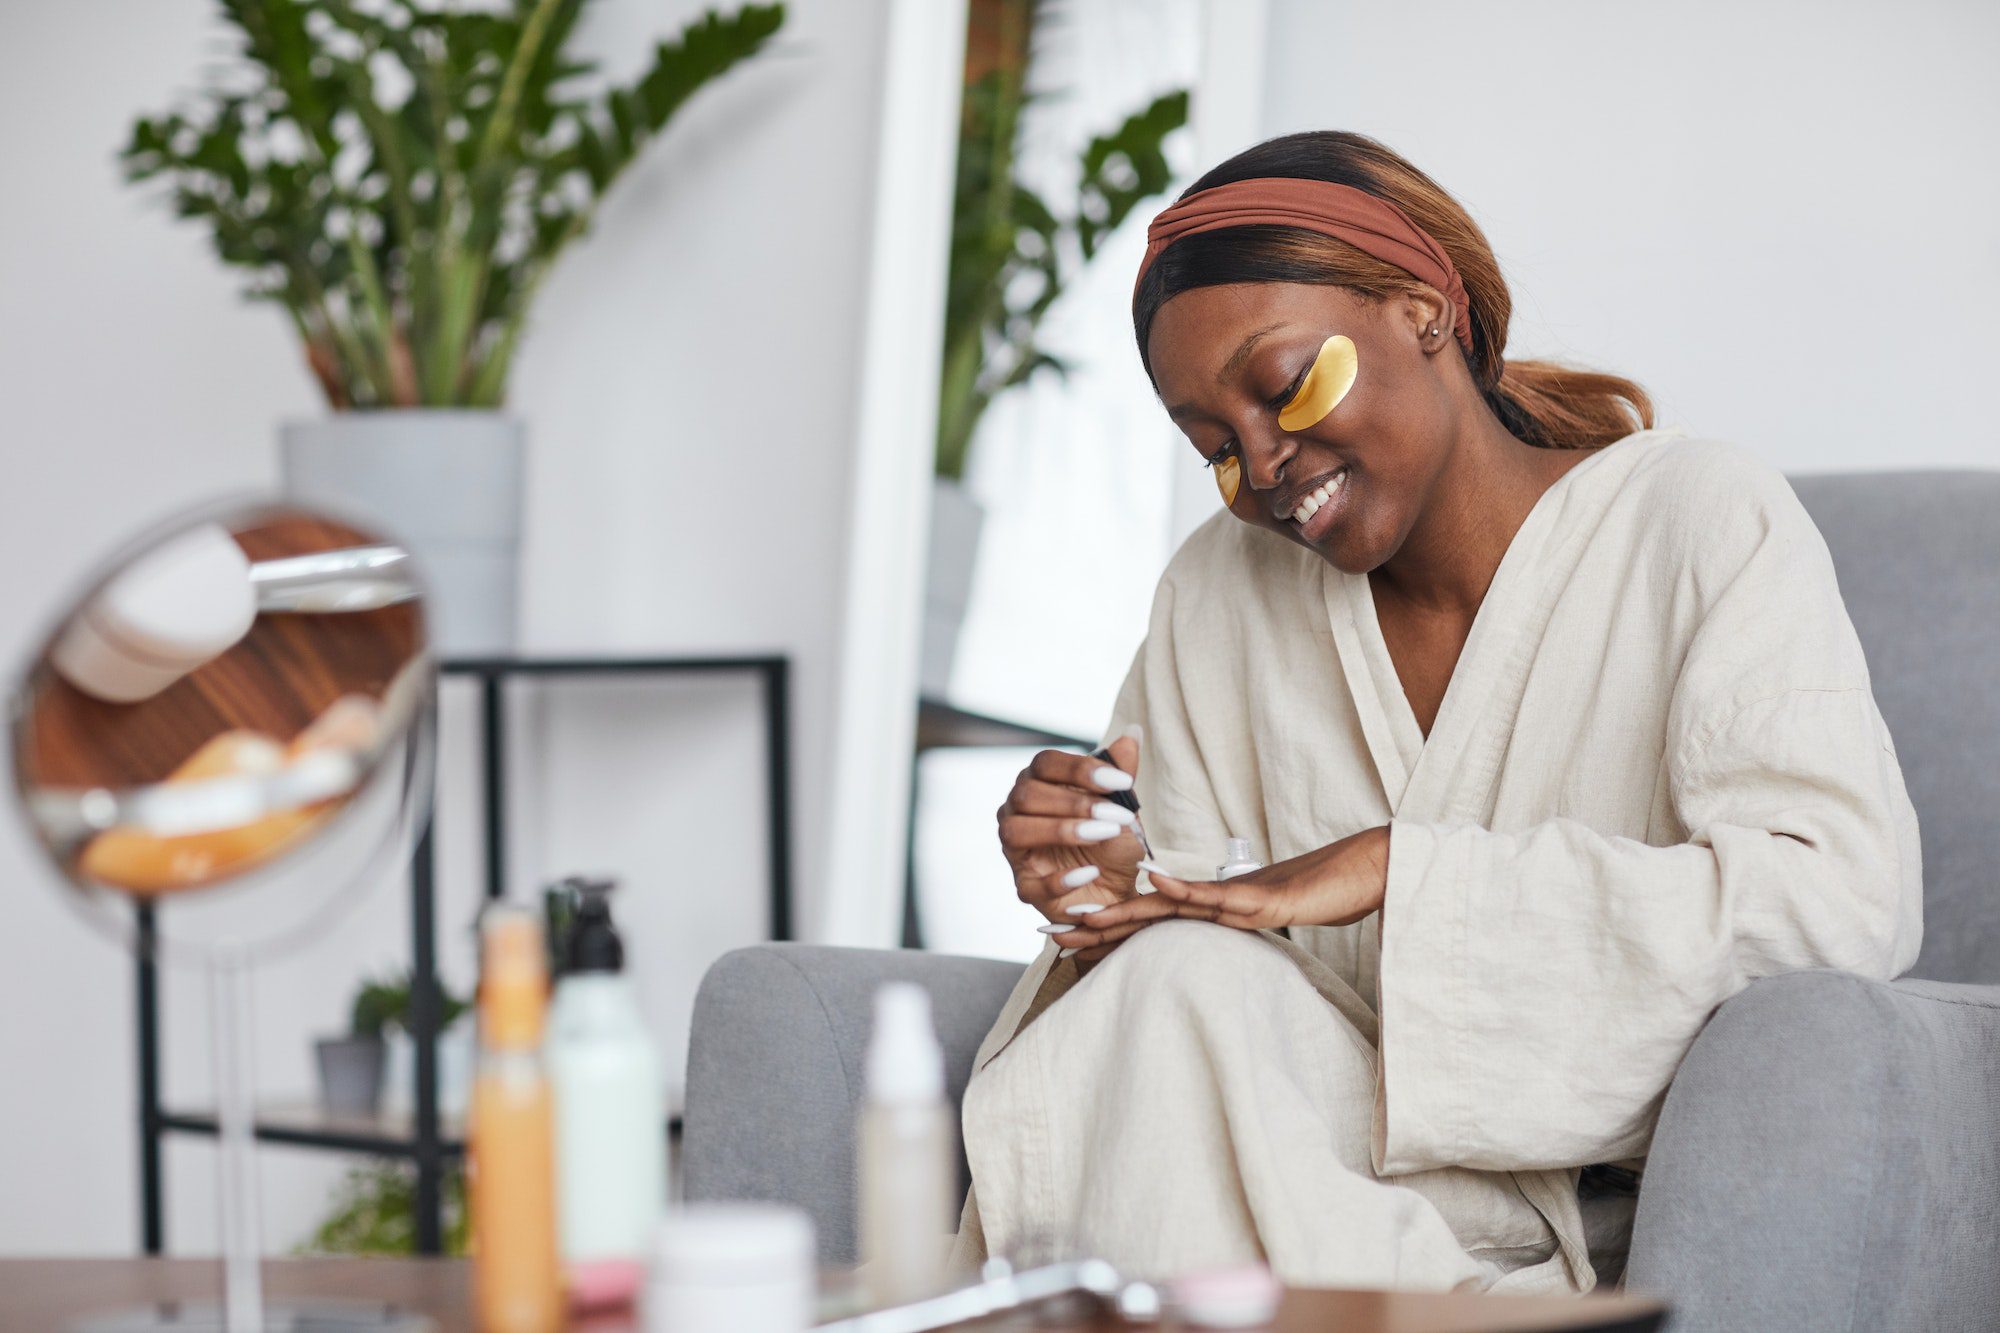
(1128, 798)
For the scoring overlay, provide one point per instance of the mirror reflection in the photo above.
(216, 698)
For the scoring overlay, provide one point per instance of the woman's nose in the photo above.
(1266, 453)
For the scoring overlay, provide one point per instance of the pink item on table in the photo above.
(1245, 1297)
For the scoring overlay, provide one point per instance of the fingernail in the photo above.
(1136, 732)
(1155, 868)
(1108, 778)
(1081, 876)
(1064, 953)
(1112, 811)
(1085, 909)
(1096, 830)
(1056, 927)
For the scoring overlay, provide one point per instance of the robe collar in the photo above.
(1430, 779)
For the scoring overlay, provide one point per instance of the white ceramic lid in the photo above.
(174, 610)
(707, 1243)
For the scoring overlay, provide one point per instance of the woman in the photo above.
(1551, 728)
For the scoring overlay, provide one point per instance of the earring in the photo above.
(1431, 332)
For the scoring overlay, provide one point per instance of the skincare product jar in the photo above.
(724, 1267)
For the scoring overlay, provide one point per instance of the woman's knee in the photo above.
(1178, 952)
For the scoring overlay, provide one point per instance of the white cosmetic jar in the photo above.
(732, 1268)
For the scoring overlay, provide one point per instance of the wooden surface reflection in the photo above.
(282, 676)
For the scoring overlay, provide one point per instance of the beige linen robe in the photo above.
(1658, 773)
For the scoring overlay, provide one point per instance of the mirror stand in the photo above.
(231, 1047)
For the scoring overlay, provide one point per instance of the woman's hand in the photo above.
(1069, 846)
(1338, 884)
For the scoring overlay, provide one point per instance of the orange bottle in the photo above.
(517, 1283)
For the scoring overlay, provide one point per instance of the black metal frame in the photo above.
(426, 1144)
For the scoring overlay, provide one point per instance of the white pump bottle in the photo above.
(907, 1169)
(610, 1112)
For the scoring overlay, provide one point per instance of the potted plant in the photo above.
(374, 1211)
(1012, 255)
(376, 1055)
(400, 176)
(350, 1067)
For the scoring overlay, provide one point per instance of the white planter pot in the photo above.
(446, 484)
(956, 519)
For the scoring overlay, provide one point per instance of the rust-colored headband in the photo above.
(1371, 225)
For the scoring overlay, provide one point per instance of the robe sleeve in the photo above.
(1539, 987)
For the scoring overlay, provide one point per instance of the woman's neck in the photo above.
(1484, 493)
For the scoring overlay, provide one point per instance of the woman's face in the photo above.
(1228, 360)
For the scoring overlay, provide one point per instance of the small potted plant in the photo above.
(355, 1069)
(350, 1067)
(400, 176)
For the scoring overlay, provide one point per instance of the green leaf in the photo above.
(1125, 167)
(414, 276)
(1012, 254)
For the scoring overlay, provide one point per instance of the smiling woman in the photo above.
(1552, 732)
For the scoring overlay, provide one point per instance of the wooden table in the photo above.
(45, 1294)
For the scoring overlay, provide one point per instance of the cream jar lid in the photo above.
(734, 1244)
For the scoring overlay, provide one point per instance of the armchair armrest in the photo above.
(774, 1069)
(1828, 1157)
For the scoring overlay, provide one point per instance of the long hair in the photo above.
(1541, 402)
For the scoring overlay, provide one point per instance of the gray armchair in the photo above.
(1828, 1156)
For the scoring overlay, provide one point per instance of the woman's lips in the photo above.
(1322, 519)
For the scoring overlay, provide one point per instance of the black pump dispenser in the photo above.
(593, 944)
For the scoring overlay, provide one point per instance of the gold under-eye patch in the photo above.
(1227, 476)
(1331, 376)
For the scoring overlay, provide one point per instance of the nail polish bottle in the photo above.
(1237, 859)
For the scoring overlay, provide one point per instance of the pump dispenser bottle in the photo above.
(516, 1285)
(611, 1120)
(907, 1172)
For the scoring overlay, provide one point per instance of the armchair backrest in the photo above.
(1918, 555)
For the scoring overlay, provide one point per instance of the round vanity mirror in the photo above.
(234, 705)
(231, 723)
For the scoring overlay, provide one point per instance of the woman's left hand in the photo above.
(1333, 886)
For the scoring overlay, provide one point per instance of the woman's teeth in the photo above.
(1327, 490)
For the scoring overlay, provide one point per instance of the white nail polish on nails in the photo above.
(1155, 868)
(1064, 953)
(1108, 778)
(1096, 830)
(1136, 732)
(1113, 812)
(1085, 909)
(1080, 876)
(1056, 927)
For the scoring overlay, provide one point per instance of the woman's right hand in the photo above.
(1068, 845)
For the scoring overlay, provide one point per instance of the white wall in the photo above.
(1778, 216)
(688, 385)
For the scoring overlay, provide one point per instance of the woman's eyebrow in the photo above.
(1232, 365)
(1243, 350)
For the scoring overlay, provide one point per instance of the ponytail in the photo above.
(1561, 407)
